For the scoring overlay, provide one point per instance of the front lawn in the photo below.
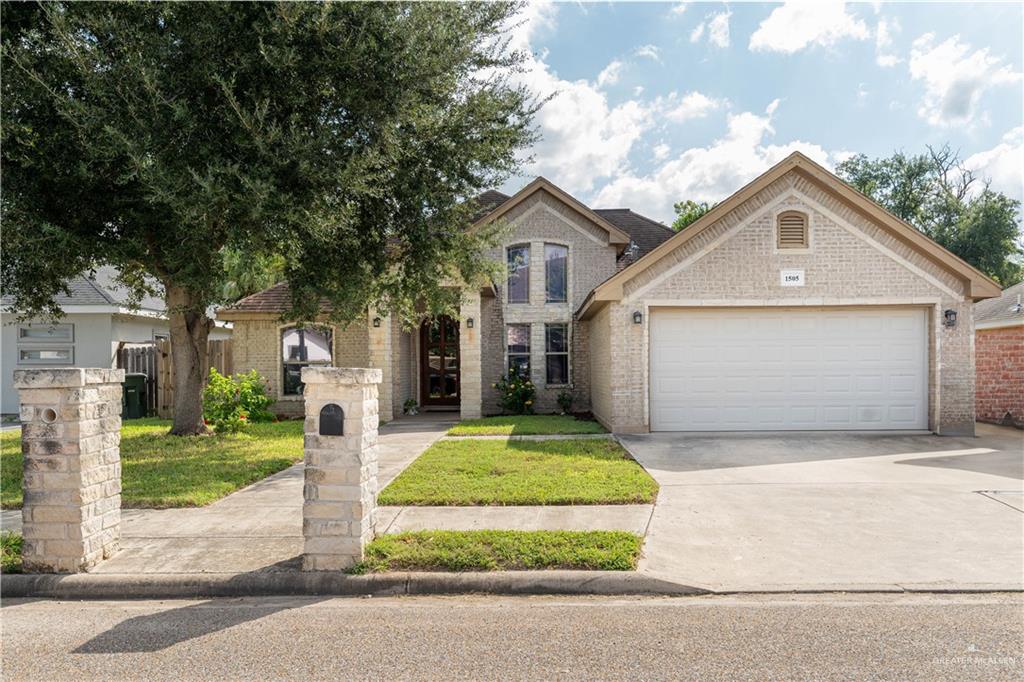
(500, 472)
(159, 471)
(525, 425)
(502, 550)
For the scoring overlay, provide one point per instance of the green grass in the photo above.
(10, 552)
(159, 471)
(526, 425)
(500, 472)
(502, 550)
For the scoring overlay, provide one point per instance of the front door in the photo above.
(439, 361)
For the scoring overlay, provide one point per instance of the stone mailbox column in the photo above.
(340, 493)
(71, 441)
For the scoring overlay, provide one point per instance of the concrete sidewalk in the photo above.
(259, 528)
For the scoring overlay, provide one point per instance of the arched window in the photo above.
(518, 259)
(302, 347)
(792, 230)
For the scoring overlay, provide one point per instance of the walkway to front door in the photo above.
(439, 362)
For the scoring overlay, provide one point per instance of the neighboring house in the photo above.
(98, 320)
(999, 353)
(795, 304)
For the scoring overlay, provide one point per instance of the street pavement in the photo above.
(820, 637)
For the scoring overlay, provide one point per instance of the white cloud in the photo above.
(610, 74)
(955, 78)
(678, 8)
(799, 24)
(649, 51)
(1003, 165)
(661, 151)
(638, 90)
(584, 139)
(883, 42)
(716, 27)
(688, 106)
(708, 173)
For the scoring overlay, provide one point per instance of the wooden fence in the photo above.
(155, 361)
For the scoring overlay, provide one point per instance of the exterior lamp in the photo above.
(638, 317)
(376, 322)
(469, 323)
(949, 317)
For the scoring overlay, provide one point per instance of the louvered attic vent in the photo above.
(792, 230)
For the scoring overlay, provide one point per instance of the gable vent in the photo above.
(792, 230)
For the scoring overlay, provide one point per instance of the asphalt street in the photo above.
(756, 637)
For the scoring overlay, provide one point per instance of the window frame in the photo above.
(523, 271)
(792, 248)
(67, 326)
(70, 349)
(566, 330)
(547, 273)
(286, 362)
(527, 353)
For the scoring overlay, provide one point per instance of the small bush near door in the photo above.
(517, 394)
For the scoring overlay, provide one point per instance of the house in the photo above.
(98, 321)
(999, 356)
(795, 304)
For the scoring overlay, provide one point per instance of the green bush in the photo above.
(231, 402)
(517, 393)
(565, 400)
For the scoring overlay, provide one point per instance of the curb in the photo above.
(536, 437)
(298, 583)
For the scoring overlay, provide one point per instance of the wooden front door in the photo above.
(439, 362)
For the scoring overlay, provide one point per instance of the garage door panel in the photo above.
(796, 369)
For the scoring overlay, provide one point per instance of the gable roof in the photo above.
(1005, 311)
(100, 290)
(978, 284)
(540, 184)
(645, 232)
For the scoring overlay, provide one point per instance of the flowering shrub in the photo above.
(517, 393)
(231, 402)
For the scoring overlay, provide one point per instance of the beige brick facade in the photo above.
(735, 262)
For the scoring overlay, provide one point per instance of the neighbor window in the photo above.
(519, 274)
(518, 349)
(46, 344)
(555, 279)
(46, 356)
(792, 230)
(556, 353)
(46, 333)
(303, 347)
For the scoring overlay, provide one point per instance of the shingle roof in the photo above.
(490, 200)
(1007, 307)
(646, 233)
(99, 290)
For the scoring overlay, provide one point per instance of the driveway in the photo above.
(817, 511)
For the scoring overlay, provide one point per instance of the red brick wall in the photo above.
(999, 359)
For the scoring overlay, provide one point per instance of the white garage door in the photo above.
(788, 369)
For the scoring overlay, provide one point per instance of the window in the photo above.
(302, 347)
(792, 230)
(519, 349)
(555, 273)
(519, 274)
(556, 353)
(46, 344)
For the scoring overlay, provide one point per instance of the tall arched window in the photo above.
(302, 347)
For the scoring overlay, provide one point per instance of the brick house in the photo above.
(999, 356)
(795, 304)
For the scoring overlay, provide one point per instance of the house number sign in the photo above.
(332, 420)
(791, 278)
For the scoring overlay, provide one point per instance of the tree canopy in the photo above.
(939, 196)
(690, 211)
(335, 143)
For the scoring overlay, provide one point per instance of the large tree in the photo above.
(689, 212)
(164, 138)
(939, 196)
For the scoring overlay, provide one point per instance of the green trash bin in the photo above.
(134, 401)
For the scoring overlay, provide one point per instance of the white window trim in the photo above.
(48, 362)
(508, 275)
(37, 341)
(568, 271)
(281, 395)
(528, 353)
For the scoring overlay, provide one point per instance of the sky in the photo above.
(654, 103)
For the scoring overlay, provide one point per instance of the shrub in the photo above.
(565, 399)
(517, 393)
(410, 407)
(231, 402)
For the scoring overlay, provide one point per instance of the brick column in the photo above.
(71, 441)
(470, 375)
(381, 357)
(340, 494)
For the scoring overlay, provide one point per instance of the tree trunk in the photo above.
(190, 330)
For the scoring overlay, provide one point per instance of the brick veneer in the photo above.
(999, 360)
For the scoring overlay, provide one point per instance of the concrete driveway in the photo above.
(828, 511)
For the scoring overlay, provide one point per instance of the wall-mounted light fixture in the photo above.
(949, 318)
(469, 323)
(376, 322)
(638, 317)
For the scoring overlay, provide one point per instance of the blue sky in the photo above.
(657, 102)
